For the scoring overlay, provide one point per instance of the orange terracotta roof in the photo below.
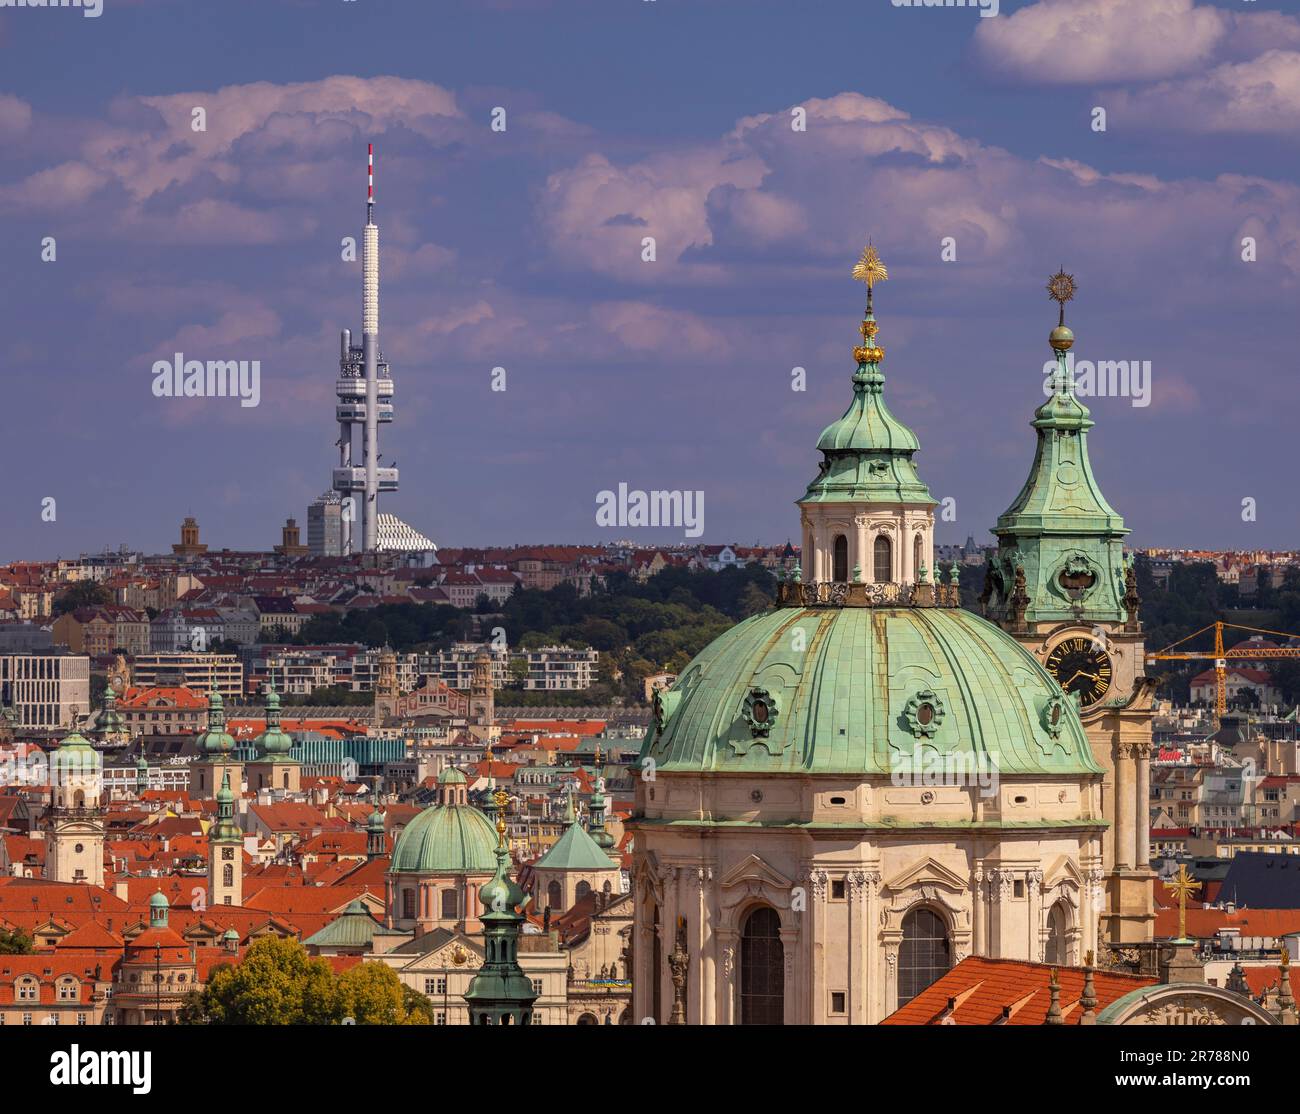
(978, 990)
(1203, 923)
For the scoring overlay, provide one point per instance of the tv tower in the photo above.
(365, 396)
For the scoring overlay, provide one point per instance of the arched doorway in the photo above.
(762, 969)
(840, 566)
(882, 560)
(924, 955)
(1058, 925)
(588, 1019)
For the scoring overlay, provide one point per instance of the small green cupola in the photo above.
(867, 453)
(596, 823)
(1060, 551)
(500, 993)
(375, 834)
(110, 726)
(273, 744)
(158, 910)
(225, 830)
(216, 743)
(867, 517)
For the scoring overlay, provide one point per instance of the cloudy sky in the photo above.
(522, 249)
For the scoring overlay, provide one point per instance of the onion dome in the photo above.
(273, 744)
(225, 830)
(215, 742)
(867, 453)
(873, 689)
(110, 722)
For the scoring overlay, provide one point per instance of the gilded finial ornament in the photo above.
(871, 270)
(1061, 288)
(502, 800)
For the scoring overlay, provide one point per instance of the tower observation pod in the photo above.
(365, 399)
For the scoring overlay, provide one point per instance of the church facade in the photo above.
(844, 797)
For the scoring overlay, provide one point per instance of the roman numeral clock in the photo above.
(1082, 667)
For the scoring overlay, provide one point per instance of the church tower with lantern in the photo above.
(867, 517)
(225, 852)
(76, 845)
(1060, 584)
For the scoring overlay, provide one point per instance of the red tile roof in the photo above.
(979, 990)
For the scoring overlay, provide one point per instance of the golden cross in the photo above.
(1183, 886)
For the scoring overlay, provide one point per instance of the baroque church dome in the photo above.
(446, 838)
(859, 691)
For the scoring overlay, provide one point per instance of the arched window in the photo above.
(553, 893)
(883, 559)
(607, 888)
(227, 875)
(1058, 925)
(762, 969)
(924, 954)
(917, 551)
(581, 890)
(840, 569)
(588, 1019)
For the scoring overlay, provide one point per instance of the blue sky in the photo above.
(521, 249)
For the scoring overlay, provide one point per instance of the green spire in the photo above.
(1059, 532)
(867, 453)
(110, 723)
(273, 744)
(215, 742)
(500, 993)
(596, 825)
(225, 830)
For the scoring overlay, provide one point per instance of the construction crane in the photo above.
(1220, 656)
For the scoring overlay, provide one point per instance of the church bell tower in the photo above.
(1061, 585)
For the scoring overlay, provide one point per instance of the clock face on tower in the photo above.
(1081, 666)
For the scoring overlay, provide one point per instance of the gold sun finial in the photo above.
(869, 268)
(1061, 288)
(1182, 886)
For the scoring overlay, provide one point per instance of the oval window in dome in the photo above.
(759, 711)
(925, 714)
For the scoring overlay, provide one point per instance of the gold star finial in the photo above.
(869, 268)
(1184, 886)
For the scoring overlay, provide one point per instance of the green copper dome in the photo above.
(455, 839)
(867, 452)
(75, 754)
(860, 691)
(273, 744)
(215, 742)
